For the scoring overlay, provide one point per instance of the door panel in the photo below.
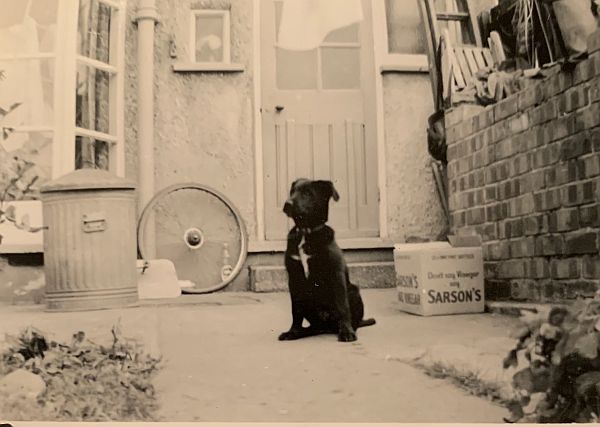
(315, 125)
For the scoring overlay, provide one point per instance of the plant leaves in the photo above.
(532, 320)
(587, 345)
(523, 380)
(532, 381)
(10, 213)
(578, 306)
(35, 229)
(593, 308)
(25, 222)
(571, 381)
(587, 381)
(77, 374)
(510, 360)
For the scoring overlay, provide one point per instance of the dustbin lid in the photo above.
(87, 179)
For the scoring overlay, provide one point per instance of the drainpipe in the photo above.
(146, 18)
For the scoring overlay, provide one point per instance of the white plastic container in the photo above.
(157, 279)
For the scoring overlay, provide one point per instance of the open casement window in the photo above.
(98, 130)
(405, 37)
(210, 36)
(61, 97)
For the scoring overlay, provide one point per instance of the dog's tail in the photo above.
(366, 322)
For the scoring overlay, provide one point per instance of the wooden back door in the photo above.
(318, 122)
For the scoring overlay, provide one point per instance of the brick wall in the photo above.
(525, 175)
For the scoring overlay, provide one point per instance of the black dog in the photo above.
(319, 284)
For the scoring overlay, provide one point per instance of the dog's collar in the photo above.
(307, 231)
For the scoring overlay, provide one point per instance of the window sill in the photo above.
(401, 63)
(21, 248)
(405, 68)
(208, 67)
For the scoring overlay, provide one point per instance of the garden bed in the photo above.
(80, 380)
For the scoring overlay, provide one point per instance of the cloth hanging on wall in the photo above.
(305, 23)
(576, 23)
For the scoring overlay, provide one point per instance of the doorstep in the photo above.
(356, 243)
(373, 275)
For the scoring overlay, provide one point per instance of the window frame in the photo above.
(225, 36)
(68, 59)
(63, 126)
(397, 62)
(116, 98)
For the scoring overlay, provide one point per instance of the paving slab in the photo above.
(223, 363)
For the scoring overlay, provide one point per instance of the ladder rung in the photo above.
(452, 16)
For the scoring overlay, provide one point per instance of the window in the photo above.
(406, 43)
(27, 64)
(404, 28)
(98, 131)
(333, 64)
(74, 121)
(61, 94)
(209, 46)
(210, 36)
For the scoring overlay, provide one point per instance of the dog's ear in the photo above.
(327, 189)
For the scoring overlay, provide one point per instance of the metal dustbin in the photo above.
(90, 248)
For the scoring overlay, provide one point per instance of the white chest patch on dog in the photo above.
(302, 257)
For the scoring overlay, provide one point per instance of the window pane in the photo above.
(91, 153)
(32, 159)
(459, 32)
(209, 38)
(93, 30)
(27, 92)
(13, 12)
(92, 99)
(451, 6)
(26, 34)
(347, 34)
(44, 14)
(404, 27)
(341, 68)
(296, 69)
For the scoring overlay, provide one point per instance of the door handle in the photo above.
(279, 108)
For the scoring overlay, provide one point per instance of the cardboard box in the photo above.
(440, 277)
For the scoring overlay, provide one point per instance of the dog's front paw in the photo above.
(292, 334)
(347, 336)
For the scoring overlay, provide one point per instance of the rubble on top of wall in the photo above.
(565, 26)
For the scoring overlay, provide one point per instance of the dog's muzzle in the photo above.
(288, 208)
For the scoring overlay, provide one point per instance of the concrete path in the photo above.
(222, 360)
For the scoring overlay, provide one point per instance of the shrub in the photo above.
(16, 179)
(84, 381)
(560, 381)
